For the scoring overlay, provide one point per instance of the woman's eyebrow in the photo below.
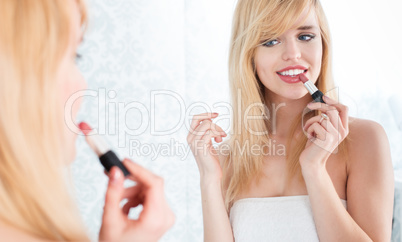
(306, 27)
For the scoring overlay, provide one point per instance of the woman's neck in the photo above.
(283, 113)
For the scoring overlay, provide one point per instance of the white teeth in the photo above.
(293, 72)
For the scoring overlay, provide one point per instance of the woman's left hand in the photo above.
(325, 132)
(156, 216)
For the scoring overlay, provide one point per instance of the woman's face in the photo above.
(71, 81)
(279, 61)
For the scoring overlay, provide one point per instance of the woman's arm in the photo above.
(369, 187)
(216, 221)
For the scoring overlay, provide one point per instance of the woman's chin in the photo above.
(289, 94)
(291, 97)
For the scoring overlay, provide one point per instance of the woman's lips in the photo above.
(290, 79)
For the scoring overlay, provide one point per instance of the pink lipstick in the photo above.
(316, 94)
(106, 156)
(292, 76)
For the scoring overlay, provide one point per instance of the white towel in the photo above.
(273, 219)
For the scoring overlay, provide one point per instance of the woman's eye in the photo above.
(306, 37)
(271, 43)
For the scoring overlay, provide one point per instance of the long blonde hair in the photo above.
(255, 21)
(34, 195)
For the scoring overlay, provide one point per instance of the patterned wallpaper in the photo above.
(152, 65)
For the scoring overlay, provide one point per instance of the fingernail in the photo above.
(116, 175)
(215, 114)
(326, 98)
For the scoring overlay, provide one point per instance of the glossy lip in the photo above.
(293, 67)
(291, 79)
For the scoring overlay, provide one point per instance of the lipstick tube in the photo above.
(316, 94)
(106, 156)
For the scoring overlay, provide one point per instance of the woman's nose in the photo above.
(291, 51)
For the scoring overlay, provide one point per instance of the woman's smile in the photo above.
(291, 74)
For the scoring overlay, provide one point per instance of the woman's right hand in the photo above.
(155, 218)
(202, 130)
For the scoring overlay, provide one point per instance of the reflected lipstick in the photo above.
(316, 94)
(106, 156)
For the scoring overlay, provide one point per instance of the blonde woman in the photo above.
(286, 174)
(38, 42)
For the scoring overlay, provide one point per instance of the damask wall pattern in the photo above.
(152, 64)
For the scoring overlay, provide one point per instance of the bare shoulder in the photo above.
(366, 138)
(370, 178)
(365, 128)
